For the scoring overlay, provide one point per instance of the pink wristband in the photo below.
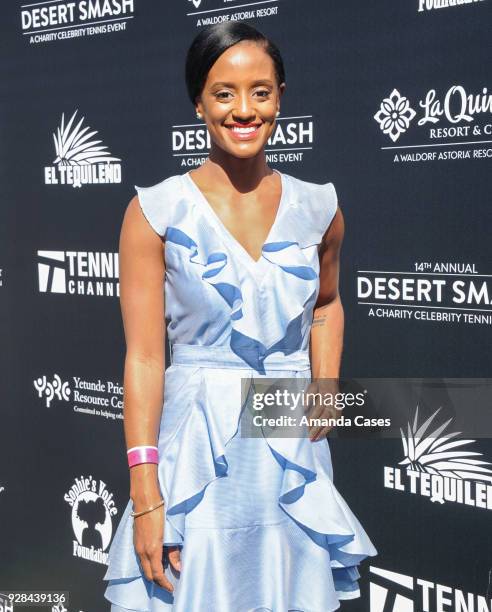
(142, 454)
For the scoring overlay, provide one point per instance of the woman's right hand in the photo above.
(148, 538)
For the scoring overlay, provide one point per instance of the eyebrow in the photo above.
(258, 82)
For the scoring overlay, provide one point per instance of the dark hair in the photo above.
(212, 41)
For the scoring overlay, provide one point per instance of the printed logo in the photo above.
(80, 160)
(466, 117)
(66, 19)
(97, 398)
(395, 592)
(291, 138)
(6, 604)
(436, 292)
(59, 607)
(429, 5)
(397, 597)
(78, 273)
(53, 389)
(220, 11)
(92, 510)
(439, 469)
(394, 115)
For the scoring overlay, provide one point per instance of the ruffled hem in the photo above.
(193, 453)
(293, 564)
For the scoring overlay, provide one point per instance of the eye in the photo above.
(222, 95)
(263, 93)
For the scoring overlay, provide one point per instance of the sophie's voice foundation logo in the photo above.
(92, 507)
(80, 160)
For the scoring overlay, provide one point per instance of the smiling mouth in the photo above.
(244, 132)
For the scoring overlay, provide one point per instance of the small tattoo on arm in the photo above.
(319, 320)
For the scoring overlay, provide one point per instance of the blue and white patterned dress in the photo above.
(259, 521)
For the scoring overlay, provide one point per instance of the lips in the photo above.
(243, 131)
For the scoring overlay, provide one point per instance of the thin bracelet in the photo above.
(135, 514)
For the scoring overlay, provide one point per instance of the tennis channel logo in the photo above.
(87, 273)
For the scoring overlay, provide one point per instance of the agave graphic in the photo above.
(427, 452)
(73, 148)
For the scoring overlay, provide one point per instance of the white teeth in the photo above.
(244, 130)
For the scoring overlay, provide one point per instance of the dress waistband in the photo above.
(224, 357)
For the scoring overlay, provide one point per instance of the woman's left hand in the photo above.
(322, 406)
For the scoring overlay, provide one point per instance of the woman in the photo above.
(222, 521)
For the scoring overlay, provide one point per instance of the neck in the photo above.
(244, 174)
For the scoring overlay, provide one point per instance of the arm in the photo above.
(142, 270)
(328, 324)
(328, 316)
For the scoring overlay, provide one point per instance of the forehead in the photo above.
(246, 59)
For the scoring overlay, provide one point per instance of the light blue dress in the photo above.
(260, 524)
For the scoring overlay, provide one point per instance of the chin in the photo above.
(244, 152)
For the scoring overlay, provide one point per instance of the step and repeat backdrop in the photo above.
(392, 102)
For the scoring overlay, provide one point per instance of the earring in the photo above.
(198, 116)
(277, 113)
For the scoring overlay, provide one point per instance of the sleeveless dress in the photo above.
(259, 522)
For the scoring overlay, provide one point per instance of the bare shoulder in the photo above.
(333, 237)
(137, 235)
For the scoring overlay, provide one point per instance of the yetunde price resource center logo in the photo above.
(80, 160)
(436, 466)
(93, 509)
(90, 397)
(457, 125)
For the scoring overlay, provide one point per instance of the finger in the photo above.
(308, 398)
(174, 555)
(315, 413)
(158, 575)
(317, 432)
(147, 570)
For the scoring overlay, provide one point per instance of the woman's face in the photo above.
(240, 100)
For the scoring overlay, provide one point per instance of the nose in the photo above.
(244, 109)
